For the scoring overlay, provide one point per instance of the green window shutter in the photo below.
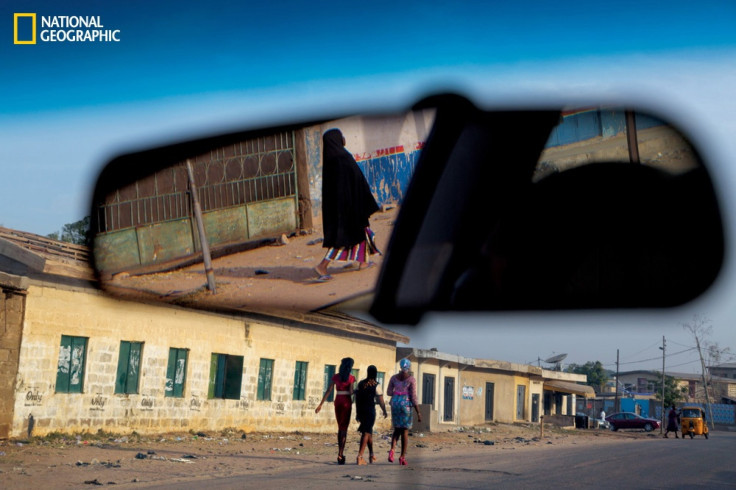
(213, 376)
(265, 372)
(180, 375)
(329, 373)
(170, 373)
(122, 373)
(131, 385)
(259, 390)
(220, 381)
(176, 372)
(233, 377)
(269, 378)
(300, 381)
(76, 368)
(64, 365)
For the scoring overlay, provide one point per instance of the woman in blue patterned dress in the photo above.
(402, 388)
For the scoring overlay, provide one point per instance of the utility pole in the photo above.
(615, 403)
(200, 228)
(664, 345)
(705, 383)
(631, 138)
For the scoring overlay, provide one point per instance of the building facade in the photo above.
(459, 391)
(74, 359)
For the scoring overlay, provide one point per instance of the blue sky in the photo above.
(186, 48)
(191, 68)
(182, 66)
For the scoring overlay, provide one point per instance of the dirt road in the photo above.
(190, 458)
(275, 276)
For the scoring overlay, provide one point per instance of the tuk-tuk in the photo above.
(692, 420)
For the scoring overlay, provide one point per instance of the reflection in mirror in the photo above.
(574, 209)
(589, 135)
(256, 204)
(508, 210)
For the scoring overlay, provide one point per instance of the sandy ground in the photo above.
(138, 461)
(273, 276)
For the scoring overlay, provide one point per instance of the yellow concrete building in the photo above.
(73, 359)
(462, 391)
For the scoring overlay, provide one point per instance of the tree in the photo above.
(700, 328)
(77, 232)
(673, 392)
(597, 376)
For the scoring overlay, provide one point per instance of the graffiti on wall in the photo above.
(98, 402)
(468, 392)
(33, 398)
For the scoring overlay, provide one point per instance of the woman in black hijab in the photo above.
(347, 203)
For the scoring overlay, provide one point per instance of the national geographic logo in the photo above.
(62, 29)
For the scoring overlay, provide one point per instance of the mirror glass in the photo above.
(265, 205)
(260, 207)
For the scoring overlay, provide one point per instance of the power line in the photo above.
(644, 349)
(653, 358)
(684, 363)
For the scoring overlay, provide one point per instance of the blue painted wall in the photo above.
(389, 176)
(629, 405)
(585, 125)
(723, 414)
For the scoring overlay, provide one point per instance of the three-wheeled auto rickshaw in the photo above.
(692, 420)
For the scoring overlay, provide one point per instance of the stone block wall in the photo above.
(12, 305)
(52, 312)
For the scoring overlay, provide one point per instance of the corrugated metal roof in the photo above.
(567, 387)
(45, 255)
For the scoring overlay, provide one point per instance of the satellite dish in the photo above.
(555, 359)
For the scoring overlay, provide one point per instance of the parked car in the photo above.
(630, 420)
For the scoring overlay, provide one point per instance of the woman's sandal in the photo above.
(360, 461)
(402, 461)
(373, 459)
(321, 277)
(341, 460)
(366, 265)
(391, 456)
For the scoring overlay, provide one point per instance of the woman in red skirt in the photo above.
(343, 384)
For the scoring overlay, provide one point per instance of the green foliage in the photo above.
(77, 233)
(674, 393)
(597, 376)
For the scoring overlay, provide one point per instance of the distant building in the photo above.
(643, 383)
(456, 391)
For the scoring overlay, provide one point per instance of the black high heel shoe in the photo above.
(341, 460)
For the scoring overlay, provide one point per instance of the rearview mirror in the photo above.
(592, 207)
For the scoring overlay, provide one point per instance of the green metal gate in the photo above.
(247, 190)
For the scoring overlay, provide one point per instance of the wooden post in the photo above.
(631, 138)
(541, 426)
(302, 181)
(200, 228)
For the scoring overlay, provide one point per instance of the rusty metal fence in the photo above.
(256, 170)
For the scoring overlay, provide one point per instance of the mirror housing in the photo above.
(481, 231)
(546, 209)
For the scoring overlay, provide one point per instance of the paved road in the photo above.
(628, 463)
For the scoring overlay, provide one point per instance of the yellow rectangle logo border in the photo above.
(15, 28)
